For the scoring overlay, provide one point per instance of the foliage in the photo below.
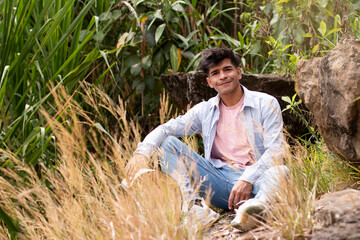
(43, 45)
(302, 29)
(123, 47)
(158, 37)
(83, 198)
(294, 106)
(314, 171)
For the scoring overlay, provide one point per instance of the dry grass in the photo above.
(82, 197)
(314, 171)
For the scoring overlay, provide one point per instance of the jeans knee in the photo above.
(169, 142)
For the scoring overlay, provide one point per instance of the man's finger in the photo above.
(237, 199)
(231, 198)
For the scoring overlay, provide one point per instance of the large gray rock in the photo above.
(328, 86)
(337, 215)
(192, 88)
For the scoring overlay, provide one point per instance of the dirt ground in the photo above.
(222, 230)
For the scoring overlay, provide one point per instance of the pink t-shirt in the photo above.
(231, 143)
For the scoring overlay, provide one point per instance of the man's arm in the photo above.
(274, 145)
(186, 124)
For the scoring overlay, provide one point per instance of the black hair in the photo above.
(213, 56)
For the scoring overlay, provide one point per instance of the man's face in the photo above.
(224, 77)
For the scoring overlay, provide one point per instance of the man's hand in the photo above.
(137, 162)
(240, 191)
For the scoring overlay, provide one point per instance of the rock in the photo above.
(337, 215)
(328, 86)
(187, 88)
(191, 88)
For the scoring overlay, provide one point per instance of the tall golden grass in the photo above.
(82, 196)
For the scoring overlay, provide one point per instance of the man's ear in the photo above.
(239, 71)
(209, 82)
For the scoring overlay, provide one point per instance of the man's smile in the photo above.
(224, 82)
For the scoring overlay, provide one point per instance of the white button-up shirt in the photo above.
(261, 116)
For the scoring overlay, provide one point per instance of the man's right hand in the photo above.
(137, 162)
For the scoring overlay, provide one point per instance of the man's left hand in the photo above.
(240, 191)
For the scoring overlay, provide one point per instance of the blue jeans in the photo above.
(191, 171)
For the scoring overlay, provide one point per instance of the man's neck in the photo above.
(233, 98)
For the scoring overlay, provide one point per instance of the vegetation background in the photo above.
(80, 84)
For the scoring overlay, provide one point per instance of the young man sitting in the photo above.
(242, 135)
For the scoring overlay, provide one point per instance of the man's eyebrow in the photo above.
(213, 71)
(228, 66)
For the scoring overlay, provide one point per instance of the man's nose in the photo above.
(222, 74)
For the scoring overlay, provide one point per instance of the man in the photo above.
(242, 136)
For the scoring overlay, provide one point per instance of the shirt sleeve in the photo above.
(273, 139)
(187, 124)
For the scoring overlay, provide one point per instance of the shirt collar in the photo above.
(248, 100)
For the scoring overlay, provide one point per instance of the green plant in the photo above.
(44, 45)
(162, 37)
(314, 171)
(294, 108)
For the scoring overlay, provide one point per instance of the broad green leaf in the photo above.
(132, 60)
(241, 39)
(117, 14)
(188, 54)
(192, 62)
(194, 3)
(287, 46)
(211, 9)
(174, 58)
(322, 28)
(333, 30)
(177, 7)
(159, 32)
(188, 38)
(99, 36)
(272, 40)
(255, 48)
(140, 88)
(315, 48)
(182, 39)
(135, 69)
(105, 16)
(227, 38)
(286, 99)
(146, 62)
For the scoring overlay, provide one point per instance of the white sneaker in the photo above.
(249, 215)
(200, 216)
